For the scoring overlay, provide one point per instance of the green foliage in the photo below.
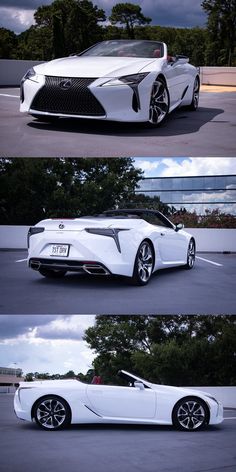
(210, 219)
(34, 189)
(130, 15)
(8, 44)
(221, 26)
(177, 350)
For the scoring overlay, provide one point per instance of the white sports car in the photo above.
(119, 80)
(54, 404)
(127, 242)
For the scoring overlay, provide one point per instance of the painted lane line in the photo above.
(210, 262)
(21, 260)
(7, 95)
(230, 418)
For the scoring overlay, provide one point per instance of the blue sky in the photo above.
(17, 15)
(186, 166)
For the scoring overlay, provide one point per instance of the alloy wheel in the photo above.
(145, 262)
(51, 413)
(159, 103)
(191, 415)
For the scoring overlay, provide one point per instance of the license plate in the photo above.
(61, 250)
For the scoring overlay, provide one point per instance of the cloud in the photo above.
(46, 343)
(17, 15)
(37, 328)
(180, 167)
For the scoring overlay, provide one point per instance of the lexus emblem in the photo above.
(61, 226)
(65, 84)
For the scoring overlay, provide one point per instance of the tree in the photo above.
(8, 44)
(221, 25)
(177, 350)
(34, 189)
(129, 15)
(73, 25)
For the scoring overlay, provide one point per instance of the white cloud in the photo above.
(180, 167)
(198, 166)
(55, 347)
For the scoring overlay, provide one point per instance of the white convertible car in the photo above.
(54, 404)
(119, 80)
(127, 242)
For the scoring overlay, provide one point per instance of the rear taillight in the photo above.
(33, 230)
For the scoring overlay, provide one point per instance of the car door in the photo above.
(122, 402)
(177, 80)
(172, 246)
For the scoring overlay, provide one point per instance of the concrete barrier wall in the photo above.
(226, 395)
(12, 71)
(214, 240)
(208, 240)
(218, 76)
(13, 237)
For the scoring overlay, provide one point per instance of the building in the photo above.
(9, 379)
(196, 193)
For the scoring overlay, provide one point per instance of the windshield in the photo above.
(126, 48)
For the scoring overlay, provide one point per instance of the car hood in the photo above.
(93, 67)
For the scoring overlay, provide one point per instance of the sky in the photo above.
(185, 166)
(45, 343)
(18, 15)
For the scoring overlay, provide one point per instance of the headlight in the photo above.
(30, 75)
(133, 79)
(110, 232)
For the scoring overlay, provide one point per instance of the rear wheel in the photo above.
(143, 265)
(190, 414)
(159, 103)
(52, 274)
(52, 413)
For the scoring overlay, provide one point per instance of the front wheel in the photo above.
(159, 103)
(52, 274)
(52, 413)
(195, 97)
(143, 265)
(191, 255)
(190, 414)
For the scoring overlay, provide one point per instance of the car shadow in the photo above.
(180, 121)
(85, 281)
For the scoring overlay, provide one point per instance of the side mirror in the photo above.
(179, 226)
(139, 385)
(181, 59)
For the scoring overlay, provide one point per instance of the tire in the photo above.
(143, 265)
(52, 413)
(190, 414)
(195, 97)
(159, 103)
(52, 274)
(191, 255)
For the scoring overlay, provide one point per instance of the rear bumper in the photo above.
(88, 267)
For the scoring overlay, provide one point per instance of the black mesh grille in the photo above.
(74, 98)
